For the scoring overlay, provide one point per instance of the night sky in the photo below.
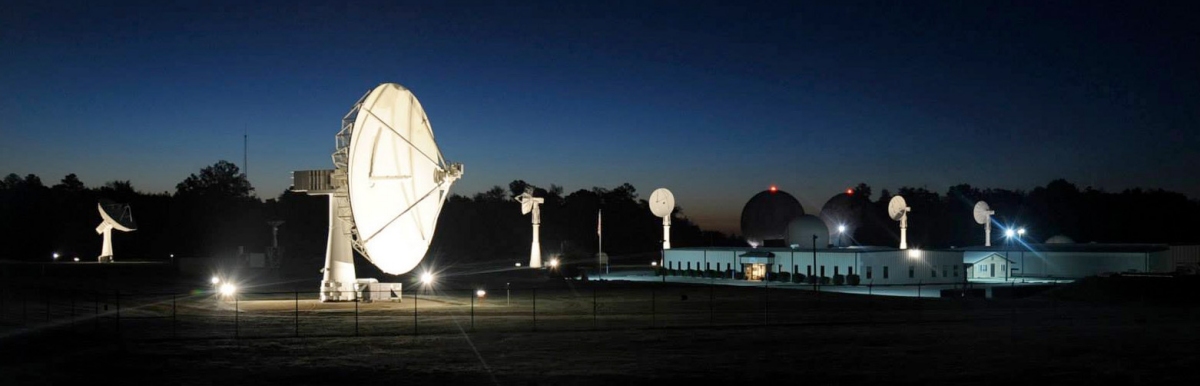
(715, 101)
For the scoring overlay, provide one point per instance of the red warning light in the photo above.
(850, 191)
(773, 189)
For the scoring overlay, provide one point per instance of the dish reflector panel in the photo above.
(117, 215)
(397, 180)
(662, 202)
(897, 207)
(982, 212)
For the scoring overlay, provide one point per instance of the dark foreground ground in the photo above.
(993, 352)
(1074, 335)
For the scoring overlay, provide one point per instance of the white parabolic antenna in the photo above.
(531, 204)
(662, 203)
(898, 210)
(983, 215)
(396, 179)
(114, 216)
(387, 189)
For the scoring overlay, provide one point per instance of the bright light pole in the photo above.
(841, 231)
(55, 256)
(1008, 235)
(1020, 233)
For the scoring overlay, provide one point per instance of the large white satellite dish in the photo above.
(983, 215)
(662, 203)
(387, 189)
(531, 204)
(898, 210)
(114, 216)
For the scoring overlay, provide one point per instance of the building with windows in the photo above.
(873, 265)
(1064, 260)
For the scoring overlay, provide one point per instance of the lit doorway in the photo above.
(756, 271)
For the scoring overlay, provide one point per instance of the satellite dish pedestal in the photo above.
(531, 204)
(105, 230)
(667, 232)
(337, 283)
(904, 231)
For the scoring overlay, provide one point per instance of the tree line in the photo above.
(214, 212)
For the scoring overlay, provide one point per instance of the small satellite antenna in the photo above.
(386, 191)
(115, 216)
(662, 203)
(898, 210)
(531, 204)
(983, 216)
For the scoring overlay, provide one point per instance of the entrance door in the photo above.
(756, 271)
(992, 269)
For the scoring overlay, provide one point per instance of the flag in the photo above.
(598, 223)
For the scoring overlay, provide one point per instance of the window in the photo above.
(822, 271)
(795, 268)
(809, 270)
(946, 271)
(933, 272)
(835, 270)
(706, 267)
(885, 272)
(728, 267)
(849, 270)
(868, 272)
(689, 265)
(911, 270)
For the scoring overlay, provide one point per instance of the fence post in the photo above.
(710, 303)
(118, 301)
(653, 314)
(766, 304)
(296, 316)
(535, 309)
(173, 311)
(472, 296)
(25, 308)
(95, 311)
(72, 296)
(593, 308)
(46, 299)
(416, 297)
(356, 316)
(236, 319)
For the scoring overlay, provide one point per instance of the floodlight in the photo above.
(841, 229)
(553, 263)
(1021, 232)
(215, 280)
(55, 255)
(427, 278)
(1009, 233)
(76, 259)
(653, 263)
(228, 289)
(914, 253)
(480, 293)
(518, 264)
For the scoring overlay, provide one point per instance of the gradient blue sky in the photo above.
(714, 100)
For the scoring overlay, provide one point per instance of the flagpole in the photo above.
(600, 235)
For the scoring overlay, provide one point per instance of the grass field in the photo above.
(596, 333)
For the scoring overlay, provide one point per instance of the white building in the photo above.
(874, 265)
(1064, 261)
